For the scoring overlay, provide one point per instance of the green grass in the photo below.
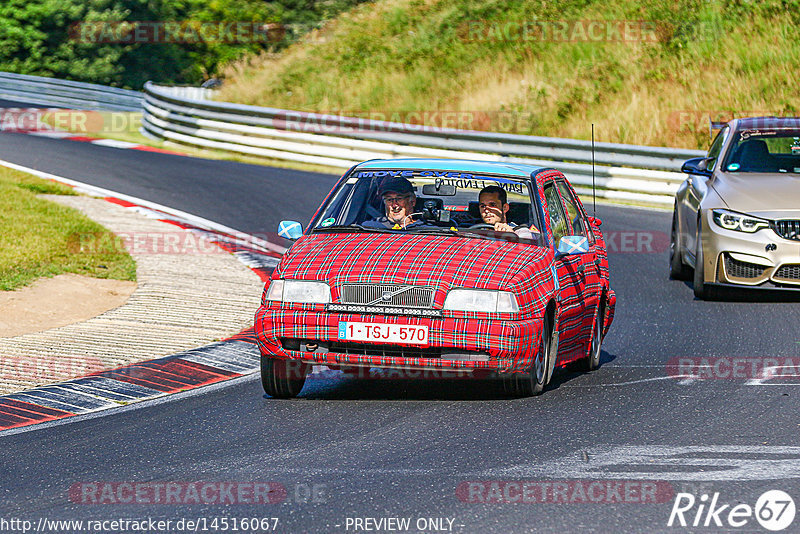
(39, 238)
(719, 58)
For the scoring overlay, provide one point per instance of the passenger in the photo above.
(399, 200)
(493, 206)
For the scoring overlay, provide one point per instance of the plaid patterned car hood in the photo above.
(440, 261)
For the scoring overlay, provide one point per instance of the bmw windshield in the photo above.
(433, 202)
(764, 150)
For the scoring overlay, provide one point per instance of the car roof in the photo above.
(521, 170)
(770, 123)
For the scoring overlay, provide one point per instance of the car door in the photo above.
(571, 278)
(587, 264)
(696, 190)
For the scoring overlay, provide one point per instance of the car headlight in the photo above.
(299, 291)
(730, 220)
(481, 301)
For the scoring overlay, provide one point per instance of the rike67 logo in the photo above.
(774, 510)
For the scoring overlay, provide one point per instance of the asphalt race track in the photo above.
(351, 449)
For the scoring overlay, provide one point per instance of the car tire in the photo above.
(677, 269)
(535, 380)
(701, 290)
(592, 361)
(282, 379)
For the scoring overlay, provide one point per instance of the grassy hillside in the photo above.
(655, 83)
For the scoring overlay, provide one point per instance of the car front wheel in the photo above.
(535, 380)
(701, 290)
(283, 379)
(677, 269)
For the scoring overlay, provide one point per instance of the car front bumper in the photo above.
(454, 342)
(760, 259)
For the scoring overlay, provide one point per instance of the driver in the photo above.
(399, 200)
(493, 206)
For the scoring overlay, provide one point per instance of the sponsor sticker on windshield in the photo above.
(747, 134)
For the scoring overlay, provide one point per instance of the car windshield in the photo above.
(764, 150)
(432, 202)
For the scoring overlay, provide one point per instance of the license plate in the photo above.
(384, 333)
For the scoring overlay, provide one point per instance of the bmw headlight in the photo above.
(299, 291)
(730, 220)
(481, 301)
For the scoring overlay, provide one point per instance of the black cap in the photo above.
(396, 184)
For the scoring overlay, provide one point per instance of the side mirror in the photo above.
(291, 230)
(697, 166)
(594, 221)
(571, 245)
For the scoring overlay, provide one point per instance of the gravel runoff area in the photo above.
(190, 293)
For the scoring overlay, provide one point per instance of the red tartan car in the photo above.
(439, 265)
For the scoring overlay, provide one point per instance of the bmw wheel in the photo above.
(701, 290)
(677, 269)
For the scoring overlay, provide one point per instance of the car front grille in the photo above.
(788, 272)
(387, 295)
(787, 229)
(742, 269)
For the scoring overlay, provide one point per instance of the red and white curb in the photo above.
(231, 358)
(184, 371)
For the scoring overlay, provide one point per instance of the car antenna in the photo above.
(594, 202)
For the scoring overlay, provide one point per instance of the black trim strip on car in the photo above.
(382, 310)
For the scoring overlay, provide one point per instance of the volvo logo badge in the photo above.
(387, 296)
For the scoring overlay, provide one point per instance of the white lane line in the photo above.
(667, 462)
(773, 371)
(54, 135)
(101, 192)
(113, 143)
(683, 382)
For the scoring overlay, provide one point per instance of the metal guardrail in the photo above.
(624, 172)
(67, 94)
(188, 115)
